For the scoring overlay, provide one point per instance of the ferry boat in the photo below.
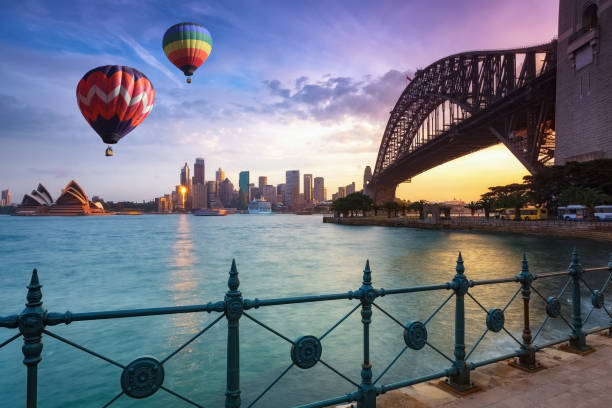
(260, 206)
(207, 212)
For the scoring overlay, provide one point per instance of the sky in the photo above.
(288, 85)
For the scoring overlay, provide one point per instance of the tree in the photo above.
(511, 196)
(487, 203)
(352, 204)
(473, 206)
(420, 207)
(390, 206)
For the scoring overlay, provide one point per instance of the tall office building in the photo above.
(308, 188)
(243, 194)
(269, 193)
(198, 171)
(225, 192)
(350, 189)
(341, 192)
(367, 177)
(253, 192)
(292, 188)
(211, 191)
(280, 192)
(6, 197)
(263, 182)
(199, 196)
(220, 175)
(185, 179)
(319, 189)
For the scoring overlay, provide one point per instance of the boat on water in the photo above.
(208, 212)
(260, 206)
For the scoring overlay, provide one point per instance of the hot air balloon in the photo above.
(114, 99)
(187, 45)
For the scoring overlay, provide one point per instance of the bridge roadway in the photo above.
(568, 380)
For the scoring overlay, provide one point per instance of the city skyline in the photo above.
(248, 107)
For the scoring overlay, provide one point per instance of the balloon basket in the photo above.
(109, 151)
(188, 80)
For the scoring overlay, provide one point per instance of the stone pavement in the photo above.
(569, 380)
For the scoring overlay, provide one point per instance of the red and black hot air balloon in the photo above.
(114, 99)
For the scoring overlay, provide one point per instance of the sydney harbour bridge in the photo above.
(466, 102)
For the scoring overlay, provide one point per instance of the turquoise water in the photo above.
(104, 263)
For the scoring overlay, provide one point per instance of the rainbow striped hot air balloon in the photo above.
(114, 99)
(187, 45)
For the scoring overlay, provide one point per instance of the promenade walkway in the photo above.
(569, 380)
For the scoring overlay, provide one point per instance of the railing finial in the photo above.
(460, 268)
(367, 274)
(575, 268)
(233, 282)
(34, 296)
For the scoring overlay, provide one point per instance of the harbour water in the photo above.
(106, 263)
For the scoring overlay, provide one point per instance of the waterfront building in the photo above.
(200, 196)
(37, 202)
(292, 188)
(161, 205)
(211, 192)
(6, 197)
(307, 188)
(280, 192)
(263, 181)
(319, 189)
(169, 202)
(584, 79)
(269, 193)
(341, 192)
(243, 194)
(72, 201)
(185, 179)
(350, 189)
(199, 171)
(324, 193)
(220, 175)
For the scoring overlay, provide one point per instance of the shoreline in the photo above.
(599, 231)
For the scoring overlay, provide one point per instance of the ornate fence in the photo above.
(145, 375)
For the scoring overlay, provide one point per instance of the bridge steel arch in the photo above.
(466, 102)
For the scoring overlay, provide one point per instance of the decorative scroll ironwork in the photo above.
(144, 376)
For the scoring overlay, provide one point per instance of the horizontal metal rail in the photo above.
(33, 322)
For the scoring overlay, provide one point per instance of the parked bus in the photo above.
(574, 212)
(603, 212)
(527, 213)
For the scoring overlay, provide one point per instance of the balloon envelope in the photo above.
(187, 45)
(114, 99)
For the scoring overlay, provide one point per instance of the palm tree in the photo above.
(487, 203)
(473, 206)
(420, 207)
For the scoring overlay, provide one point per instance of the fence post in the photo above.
(368, 294)
(528, 359)
(233, 311)
(31, 325)
(578, 338)
(460, 381)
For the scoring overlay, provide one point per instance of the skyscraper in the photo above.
(225, 191)
(367, 177)
(280, 192)
(243, 195)
(319, 189)
(199, 195)
(220, 175)
(198, 171)
(211, 190)
(6, 197)
(292, 188)
(350, 189)
(263, 182)
(269, 193)
(308, 188)
(185, 179)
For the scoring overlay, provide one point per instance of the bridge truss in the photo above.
(466, 102)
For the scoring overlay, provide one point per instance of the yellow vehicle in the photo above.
(527, 213)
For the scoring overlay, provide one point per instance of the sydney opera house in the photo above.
(72, 201)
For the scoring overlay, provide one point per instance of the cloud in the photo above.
(334, 98)
(147, 57)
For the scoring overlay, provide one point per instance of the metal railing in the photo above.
(144, 376)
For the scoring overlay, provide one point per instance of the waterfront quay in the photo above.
(601, 231)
